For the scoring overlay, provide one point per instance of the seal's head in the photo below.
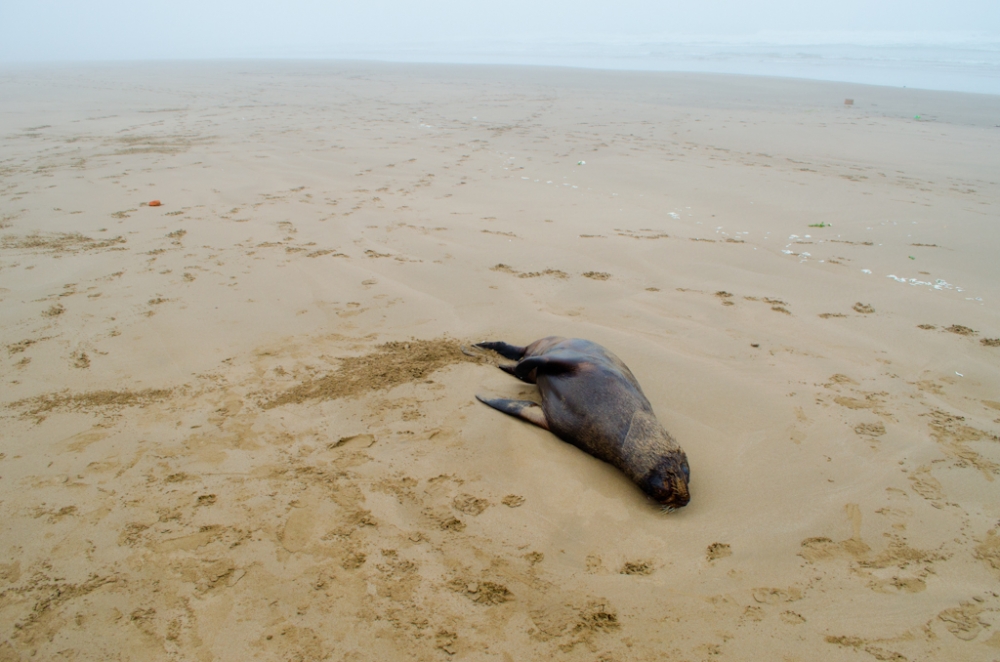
(655, 461)
(667, 483)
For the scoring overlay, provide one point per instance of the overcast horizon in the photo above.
(917, 44)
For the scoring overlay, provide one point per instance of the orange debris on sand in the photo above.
(154, 203)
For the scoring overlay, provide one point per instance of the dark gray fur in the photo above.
(591, 400)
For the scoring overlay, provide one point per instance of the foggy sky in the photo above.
(58, 30)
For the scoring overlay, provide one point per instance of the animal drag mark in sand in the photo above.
(591, 399)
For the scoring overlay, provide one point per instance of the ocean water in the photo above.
(962, 63)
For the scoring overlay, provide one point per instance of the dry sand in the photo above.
(238, 426)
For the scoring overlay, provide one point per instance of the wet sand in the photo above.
(238, 425)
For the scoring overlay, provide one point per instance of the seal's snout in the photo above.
(668, 483)
(681, 496)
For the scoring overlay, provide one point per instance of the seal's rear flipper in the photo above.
(512, 352)
(523, 409)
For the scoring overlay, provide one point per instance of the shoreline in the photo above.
(962, 62)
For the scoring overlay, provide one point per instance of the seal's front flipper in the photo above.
(512, 352)
(523, 409)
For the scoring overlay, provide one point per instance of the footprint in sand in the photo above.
(470, 505)
(513, 501)
(504, 268)
(640, 567)
(718, 550)
(869, 430)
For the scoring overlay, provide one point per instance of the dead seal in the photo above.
(592, 400)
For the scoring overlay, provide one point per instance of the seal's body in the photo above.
(591, 400)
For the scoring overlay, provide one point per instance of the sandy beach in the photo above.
(238, 424)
